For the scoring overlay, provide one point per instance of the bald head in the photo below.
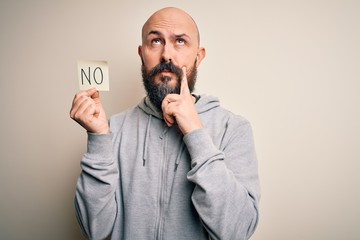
(170, 45)
(172, 18)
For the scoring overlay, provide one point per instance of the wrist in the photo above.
(101, 131)
(192, 128)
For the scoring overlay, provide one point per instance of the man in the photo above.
(177, 166)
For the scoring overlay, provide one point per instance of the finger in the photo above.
(95, 95)
(82, 94)
(78, 101)
(91, 92)
(89, 112)
(86, 108)
(169, 120)
(184, 90)
(167, 115)
(172, 97)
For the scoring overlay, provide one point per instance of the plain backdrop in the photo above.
(292, 68)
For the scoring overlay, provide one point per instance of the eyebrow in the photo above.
(154, 32)
(182, 35)
(176, 35)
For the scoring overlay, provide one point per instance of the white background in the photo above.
(291, 67)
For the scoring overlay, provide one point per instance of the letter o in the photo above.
(94, 76)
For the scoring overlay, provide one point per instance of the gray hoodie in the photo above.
(145, 180)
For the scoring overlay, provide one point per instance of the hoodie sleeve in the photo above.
(227, 188)
(95, 190)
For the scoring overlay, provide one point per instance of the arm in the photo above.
(95, 190)
(95, 201)
(227, 188)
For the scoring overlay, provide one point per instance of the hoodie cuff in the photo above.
(200, 146)
(99, 146)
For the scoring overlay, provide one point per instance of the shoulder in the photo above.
(236, 125)
(211, 111)
(117, 120)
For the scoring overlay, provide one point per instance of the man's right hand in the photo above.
(88, 112)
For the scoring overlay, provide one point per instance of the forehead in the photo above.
(171, 21)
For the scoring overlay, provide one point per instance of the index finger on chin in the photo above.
(184, 83)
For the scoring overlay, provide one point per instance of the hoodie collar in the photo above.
(149, 108)
(204, 104)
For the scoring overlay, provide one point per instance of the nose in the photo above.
(166, 54)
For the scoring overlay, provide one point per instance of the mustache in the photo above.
(166, 66)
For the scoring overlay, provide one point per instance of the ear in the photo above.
(140, 51)
(200, 55)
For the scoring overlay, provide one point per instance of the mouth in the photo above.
(166, 73)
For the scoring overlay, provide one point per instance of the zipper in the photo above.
(164, 166)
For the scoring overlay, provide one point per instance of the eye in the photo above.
(156, 41)
(180, 41)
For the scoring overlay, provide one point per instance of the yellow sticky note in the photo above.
(93, 74)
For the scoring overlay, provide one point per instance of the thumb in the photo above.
(95, 95)
(90, 92)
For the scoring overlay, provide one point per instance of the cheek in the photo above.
(150, 56)
(149, 62)
(189, 60)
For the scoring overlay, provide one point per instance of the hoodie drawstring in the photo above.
(145, 151)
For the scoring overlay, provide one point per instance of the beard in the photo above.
(158, 91)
